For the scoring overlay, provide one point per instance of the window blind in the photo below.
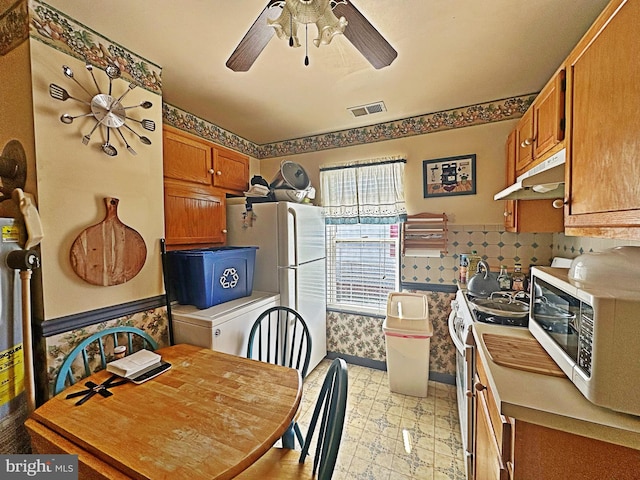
(362, 266)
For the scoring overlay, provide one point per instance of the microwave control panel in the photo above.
(585, 340)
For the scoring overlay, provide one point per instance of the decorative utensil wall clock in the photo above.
(107, 110)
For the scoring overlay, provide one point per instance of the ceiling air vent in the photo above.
(370, 109)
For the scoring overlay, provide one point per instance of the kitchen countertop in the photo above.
(550, 401)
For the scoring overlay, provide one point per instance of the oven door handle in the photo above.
(452, 332)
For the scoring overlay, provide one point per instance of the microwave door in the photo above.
(556, 316)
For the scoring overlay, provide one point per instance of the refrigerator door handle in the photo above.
(295, 286)
(292, 212)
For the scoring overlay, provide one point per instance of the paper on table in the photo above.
(134, 363)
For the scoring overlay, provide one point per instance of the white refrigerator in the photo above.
(290, 259)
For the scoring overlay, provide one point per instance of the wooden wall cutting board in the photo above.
(520, 353)
(109, 252)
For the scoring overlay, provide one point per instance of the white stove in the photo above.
(460, 321)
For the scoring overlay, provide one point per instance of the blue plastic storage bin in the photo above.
(211, 276)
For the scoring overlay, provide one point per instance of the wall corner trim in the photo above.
(67, 323)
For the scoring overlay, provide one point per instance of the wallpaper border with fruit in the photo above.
(57, 30)
(488, 112)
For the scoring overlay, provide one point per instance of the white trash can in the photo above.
(408, 333)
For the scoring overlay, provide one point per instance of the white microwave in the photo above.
(592, 333)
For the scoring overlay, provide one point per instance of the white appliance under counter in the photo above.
(223, 328)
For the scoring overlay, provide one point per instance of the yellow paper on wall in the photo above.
(10, 234)
(11, 373)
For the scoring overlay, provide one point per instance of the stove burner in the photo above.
(516, 295)
(499, 319)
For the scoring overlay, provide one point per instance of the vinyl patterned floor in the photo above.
(389, 436)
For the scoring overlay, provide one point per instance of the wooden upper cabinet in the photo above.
(197, 176)
(542, 126)
(231, 169)
(527, 215)
(510, 178)
(186, 158)
(525, 137)
(549, 116)
(193, 160)
(193, 217)
(603, 198)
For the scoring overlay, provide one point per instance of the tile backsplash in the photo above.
(491, 242)
(498, 247)
(571, 247)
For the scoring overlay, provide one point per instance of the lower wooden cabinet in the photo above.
(493, 431)
(511, 449)
(549, 454)
(489, 463)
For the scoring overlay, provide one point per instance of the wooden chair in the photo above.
(66, 374)
(328, 415)
(281, 336)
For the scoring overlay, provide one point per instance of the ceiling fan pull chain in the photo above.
(291, 30)
(306, 44)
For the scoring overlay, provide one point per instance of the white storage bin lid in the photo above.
(417, 329)
(408, 311)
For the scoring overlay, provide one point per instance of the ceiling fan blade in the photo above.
(254, 40)
(364, 36)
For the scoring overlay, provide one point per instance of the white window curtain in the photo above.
(370, 191)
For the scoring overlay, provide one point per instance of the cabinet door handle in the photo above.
(480, 387)
(527, 141)
(506, 214)
(218, 173)
(211, 171)
(559, 203)
(224, 230)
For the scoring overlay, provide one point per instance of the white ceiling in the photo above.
(451, 53)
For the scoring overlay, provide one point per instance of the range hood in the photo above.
(545, 180)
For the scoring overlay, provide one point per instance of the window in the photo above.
(363, 204)
(362, 266)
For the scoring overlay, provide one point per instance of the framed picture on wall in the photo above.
(446, 177)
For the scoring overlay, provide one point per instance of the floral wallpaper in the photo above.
(362, 336)
(154, 322)
(178, 118)
(14, 26)
(66, 35)
(479, 114)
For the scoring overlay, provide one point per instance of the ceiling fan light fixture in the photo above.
(296, 12)
(330, 19)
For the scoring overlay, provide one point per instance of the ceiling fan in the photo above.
(284, 16)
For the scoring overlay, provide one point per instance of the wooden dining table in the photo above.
(210, 416)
